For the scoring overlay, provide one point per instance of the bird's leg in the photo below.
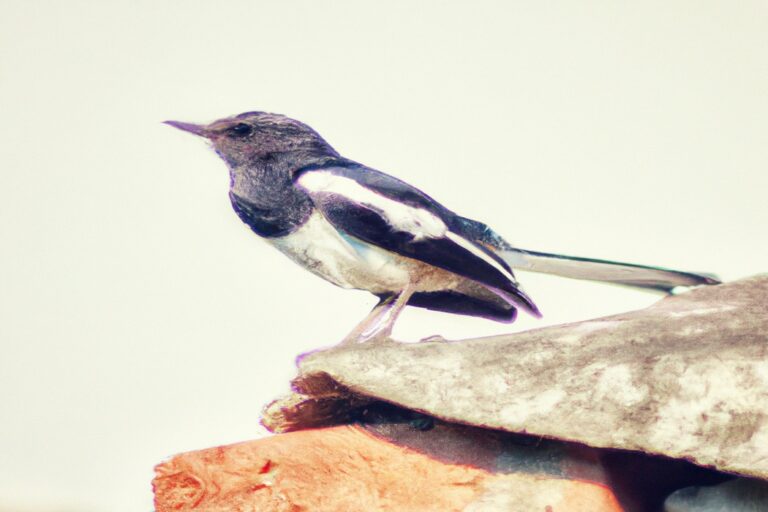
(377, 326)
(382, 330)
(371, 320)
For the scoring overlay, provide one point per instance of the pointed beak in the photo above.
(189, 127)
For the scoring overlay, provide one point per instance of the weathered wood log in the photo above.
(686, 378)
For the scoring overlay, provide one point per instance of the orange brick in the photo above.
(349, 469)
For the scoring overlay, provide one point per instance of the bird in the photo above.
(361, 228)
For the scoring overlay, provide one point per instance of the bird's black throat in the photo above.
(271, 222)
(264, 196)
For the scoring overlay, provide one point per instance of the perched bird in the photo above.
(361, 228)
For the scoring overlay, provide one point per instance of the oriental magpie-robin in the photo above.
(360, 228)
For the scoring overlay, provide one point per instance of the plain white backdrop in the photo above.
(139, 318)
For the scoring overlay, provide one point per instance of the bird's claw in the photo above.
(435, 338)
(377, 339)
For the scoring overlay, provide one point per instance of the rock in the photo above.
(739, 495)
(685, 378)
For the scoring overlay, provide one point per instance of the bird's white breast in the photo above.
(343, 260)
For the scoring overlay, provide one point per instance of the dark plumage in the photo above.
(360, 228)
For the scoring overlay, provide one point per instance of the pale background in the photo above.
(139, 318)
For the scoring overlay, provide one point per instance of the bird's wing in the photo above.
(384, 211)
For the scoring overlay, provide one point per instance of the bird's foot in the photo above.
(382, 339)
(376, 339)
(435, 338)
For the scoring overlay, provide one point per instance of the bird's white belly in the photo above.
(345, 261)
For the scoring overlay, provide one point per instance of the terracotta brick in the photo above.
(348, 468)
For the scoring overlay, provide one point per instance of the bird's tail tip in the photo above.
(627, 274)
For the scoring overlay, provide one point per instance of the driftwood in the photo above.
(685, 378)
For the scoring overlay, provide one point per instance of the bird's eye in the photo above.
(240, 130)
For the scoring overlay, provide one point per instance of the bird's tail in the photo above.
(628, 274)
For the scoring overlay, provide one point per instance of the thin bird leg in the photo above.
(377, 326)
(373, 319)
(383, 330)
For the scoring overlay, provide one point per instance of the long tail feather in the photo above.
(627, 274)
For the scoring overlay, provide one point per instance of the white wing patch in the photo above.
(402, 217)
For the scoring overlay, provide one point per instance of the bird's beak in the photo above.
(197, 129)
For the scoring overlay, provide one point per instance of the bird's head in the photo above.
(254, 137)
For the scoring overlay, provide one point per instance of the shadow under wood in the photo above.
(640, 482)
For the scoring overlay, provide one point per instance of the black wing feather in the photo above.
(356, 218)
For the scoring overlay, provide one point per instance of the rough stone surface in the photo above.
(739, 495)
(686, 377)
